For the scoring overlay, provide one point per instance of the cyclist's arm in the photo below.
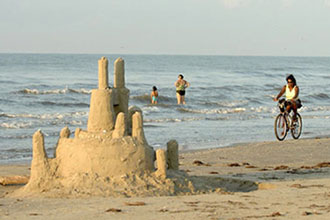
(297, 92)
(280, 94)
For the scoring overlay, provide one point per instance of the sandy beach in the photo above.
(292, 179)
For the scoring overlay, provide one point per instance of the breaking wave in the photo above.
(16, 125)
(64, 104)
(45, 116)
(212, 111)
(319, 96)
(238, 103)
(16, 137)
(146, 98)
(55, 91)
(162, 120)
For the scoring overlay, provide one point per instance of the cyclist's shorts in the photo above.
(298, 103)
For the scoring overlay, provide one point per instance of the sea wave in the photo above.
(141, 98)
(237, 110)
(162, 120)
(146, 98)
(16, 125)
(18, 150)
(237, 103)
(45, 116)
(15, 136)
(166, 120)
(54, 91)
(64, 104)
(316, 108)
(75, 122)
(212, 111)
(319, 96)
(81, 91)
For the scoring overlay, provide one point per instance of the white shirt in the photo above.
(290, 94)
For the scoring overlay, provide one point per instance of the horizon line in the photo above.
(165, 54)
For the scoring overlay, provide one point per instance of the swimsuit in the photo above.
(181, 90)
(154, 98)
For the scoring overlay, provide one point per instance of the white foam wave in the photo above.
(234, 103)
(55, 91)
(213, 111)
(46, 116)
(315, 108)
(315, 116)
(16, 137)
(148, 109)
(37, 92)
(162, 120)
(259, 109)
(74, 122)
(82, 91)
(264, 109)
(16, 125)
(228, 104)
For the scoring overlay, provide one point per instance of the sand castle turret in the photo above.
(113, 149)
(121, 92)
(101, 114)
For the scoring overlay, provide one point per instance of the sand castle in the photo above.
(112, 157)
(112, 149)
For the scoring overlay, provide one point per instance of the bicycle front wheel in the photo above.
(280, 127)
(296, 127)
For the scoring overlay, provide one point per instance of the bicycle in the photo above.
(284, 123)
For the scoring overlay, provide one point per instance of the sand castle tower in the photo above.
(111, 153)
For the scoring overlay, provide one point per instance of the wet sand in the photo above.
(293, 179)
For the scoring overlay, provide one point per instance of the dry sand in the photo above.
(293, 179)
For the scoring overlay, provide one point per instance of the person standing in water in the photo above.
(154, 95)
(181, 86)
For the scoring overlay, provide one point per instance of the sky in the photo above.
(188, 27)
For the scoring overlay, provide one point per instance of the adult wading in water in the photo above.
(181, 86)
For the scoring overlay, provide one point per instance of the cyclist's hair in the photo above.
(292, 78)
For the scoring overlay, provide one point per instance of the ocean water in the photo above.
(229, 101)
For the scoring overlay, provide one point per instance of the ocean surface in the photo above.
(229, 101)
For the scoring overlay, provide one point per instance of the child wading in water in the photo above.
(154, 95)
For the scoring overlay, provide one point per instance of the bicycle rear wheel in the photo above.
(296, 127)
(280, 127)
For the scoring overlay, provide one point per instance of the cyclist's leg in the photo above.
(294, 109)
(288, 106)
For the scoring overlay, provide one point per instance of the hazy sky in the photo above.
(214, 27)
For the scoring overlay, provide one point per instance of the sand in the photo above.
(292, 180)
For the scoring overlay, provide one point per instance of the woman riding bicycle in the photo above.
(291, 91)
